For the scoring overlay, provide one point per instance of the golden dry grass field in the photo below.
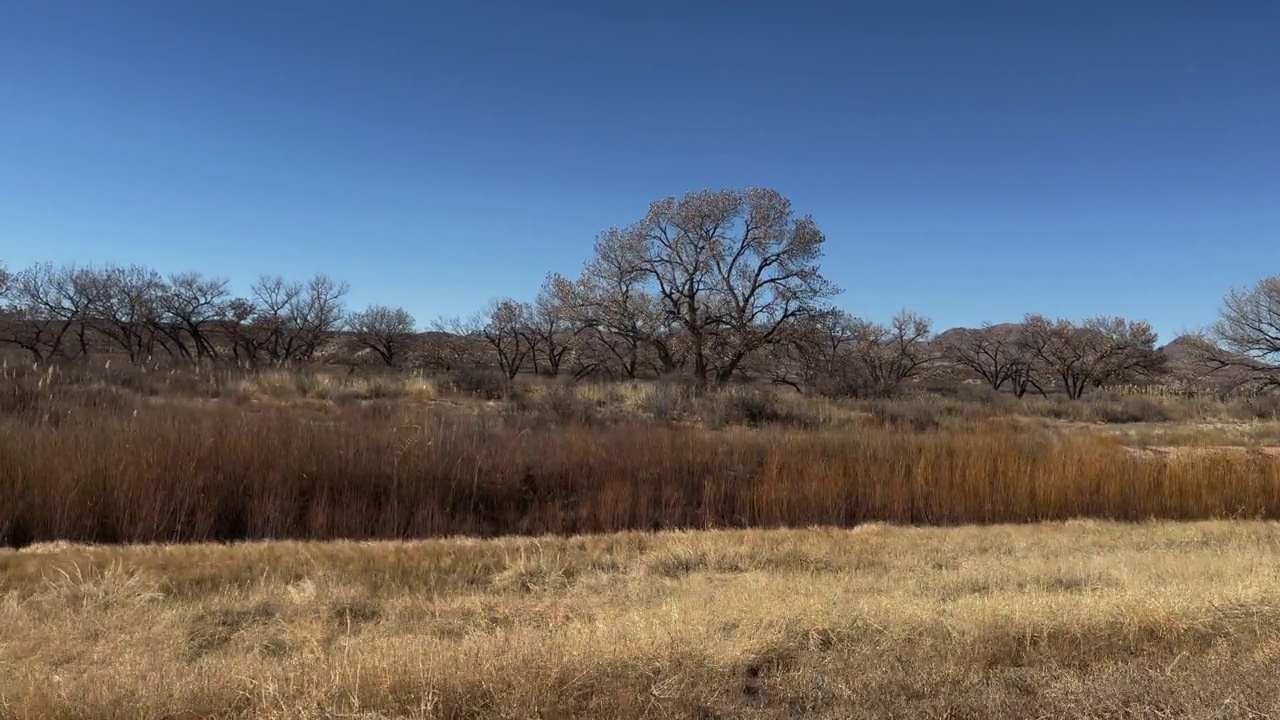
(1063, 620)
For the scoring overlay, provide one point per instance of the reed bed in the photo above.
(166, 472)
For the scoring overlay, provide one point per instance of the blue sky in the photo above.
(971, 161)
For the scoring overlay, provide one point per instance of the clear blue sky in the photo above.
(971, 161)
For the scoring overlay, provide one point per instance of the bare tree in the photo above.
(505, 327)
(1101, 350)
(554, 326)
(239, 325)
(45, 304)
(1245, 341)
(384, 330)
(624, 322)
(8, 308)
(451, 345)
(837, 354)
(994, 352)
(812, 354)
(1025, 372)
(270, 327)
(125, 307)
(732, 268)
(290, 320)
(192, 305)
(1060, 350)
(883, 357)
(1128, 350)
(317, 313)
(12, 321)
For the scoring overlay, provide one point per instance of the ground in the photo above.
(1070, 620)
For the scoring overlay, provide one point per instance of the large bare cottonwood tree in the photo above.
(731, 268)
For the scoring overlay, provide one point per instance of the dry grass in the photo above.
(1082, 619)
(1257, 435)
(167, 473)
(1070, 620)
(290, 385)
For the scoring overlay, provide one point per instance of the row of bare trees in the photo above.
(713, 286)
(73, 312)
(718, 285)
(1039, 352)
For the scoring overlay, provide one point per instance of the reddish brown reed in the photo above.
(220, 472)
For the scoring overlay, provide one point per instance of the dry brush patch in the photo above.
(1082, 619)
(169, 473)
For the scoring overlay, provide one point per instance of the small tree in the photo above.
(125, 308)
(881, 358)
(813, 355)
(988, 351)
(318, 313)
(553, 323)
(239, 324)
(384, 330)
(289, 320)
(192, 306)
(505, 327)
(996, 353)
(451, 345)
(268, 326)
(47, 306)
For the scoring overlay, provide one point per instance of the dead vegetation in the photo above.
(1071, 620)
(316, 456)
(739, 619)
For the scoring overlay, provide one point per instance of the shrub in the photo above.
(555, 402)
(1134, 408)
(1262, 407)
(484, 384)
(916, 415)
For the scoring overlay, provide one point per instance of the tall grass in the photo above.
(168, 472)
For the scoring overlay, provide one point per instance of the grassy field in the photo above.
(1074, 620)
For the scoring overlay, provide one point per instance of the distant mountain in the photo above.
(956, 333)
(1195, 360)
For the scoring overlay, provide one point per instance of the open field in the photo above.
(1074, 620)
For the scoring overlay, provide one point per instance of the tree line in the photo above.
(713, 287)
